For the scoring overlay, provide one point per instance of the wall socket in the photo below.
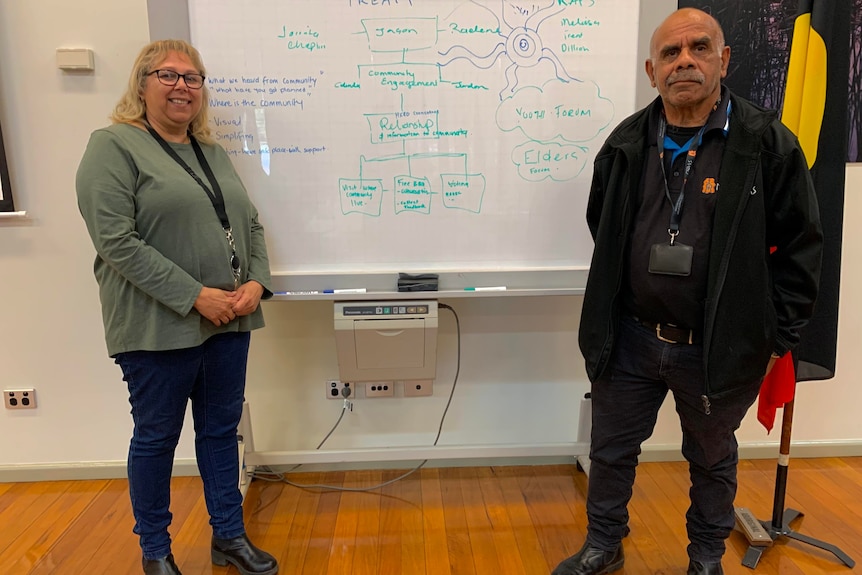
(418, 387)
(380, 389)
(336, 389)
(19, 398)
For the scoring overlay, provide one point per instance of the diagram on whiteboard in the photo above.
(557, 118)
(463, 117)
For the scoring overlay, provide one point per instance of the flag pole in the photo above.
(820, 35)
(781, 517)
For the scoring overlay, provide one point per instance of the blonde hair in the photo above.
(131, 108)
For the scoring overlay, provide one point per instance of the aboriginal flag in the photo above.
(815, 108)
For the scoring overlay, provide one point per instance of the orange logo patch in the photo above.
(709, 186)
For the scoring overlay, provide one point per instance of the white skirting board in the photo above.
(374, 459)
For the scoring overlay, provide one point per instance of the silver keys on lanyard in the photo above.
(235, 265)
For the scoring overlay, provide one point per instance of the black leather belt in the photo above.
(670, 333)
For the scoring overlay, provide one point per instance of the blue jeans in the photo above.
(160, 384)
(625, 404)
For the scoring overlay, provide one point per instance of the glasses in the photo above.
(170, 78)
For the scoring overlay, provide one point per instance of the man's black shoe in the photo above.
(240, 552)
(591, 561)
(163, 566)
(698, 568)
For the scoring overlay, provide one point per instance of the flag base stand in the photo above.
(781, 517)
(752, 555)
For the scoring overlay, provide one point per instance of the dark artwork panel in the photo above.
(854, 98)
(6, 203)
(759, 33)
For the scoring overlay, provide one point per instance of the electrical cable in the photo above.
(457, 369)
(345, 391)
(355, 489)
(267, 474)
(281, 476)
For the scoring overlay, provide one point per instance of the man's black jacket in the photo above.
(756, 301)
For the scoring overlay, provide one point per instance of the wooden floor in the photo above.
(480, 520)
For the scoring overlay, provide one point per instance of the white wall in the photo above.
(521, 376)
(50, 306)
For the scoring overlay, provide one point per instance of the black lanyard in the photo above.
(676, 207)
(215, 195)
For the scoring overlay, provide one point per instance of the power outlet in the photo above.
(380, 389)
(19, 398)
(418, 387)
(336, 389)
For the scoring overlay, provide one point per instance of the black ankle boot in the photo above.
(698, 568)
(240, 552)
(591, 561)
(163, 566)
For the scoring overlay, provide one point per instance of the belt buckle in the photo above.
(659, 336)
(666, 340)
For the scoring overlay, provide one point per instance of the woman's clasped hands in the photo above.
(222, 306)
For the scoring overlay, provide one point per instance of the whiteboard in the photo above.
(418, 135)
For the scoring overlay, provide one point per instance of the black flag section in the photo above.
(6, 203)
(830, 22)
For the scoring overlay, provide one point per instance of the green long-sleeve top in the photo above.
(159, 241)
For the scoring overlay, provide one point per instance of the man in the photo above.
(699, 301)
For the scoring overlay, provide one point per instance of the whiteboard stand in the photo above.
(365, 455)
(245, 443)
(563, 285)
(251, 459)
(584, 430)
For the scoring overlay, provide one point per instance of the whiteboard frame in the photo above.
(170, 19)
(526, 282)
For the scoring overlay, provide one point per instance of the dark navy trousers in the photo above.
(161, 383)
(625, 404)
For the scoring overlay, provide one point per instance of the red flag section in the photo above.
(778, 388)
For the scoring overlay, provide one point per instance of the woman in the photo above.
(181, 265)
